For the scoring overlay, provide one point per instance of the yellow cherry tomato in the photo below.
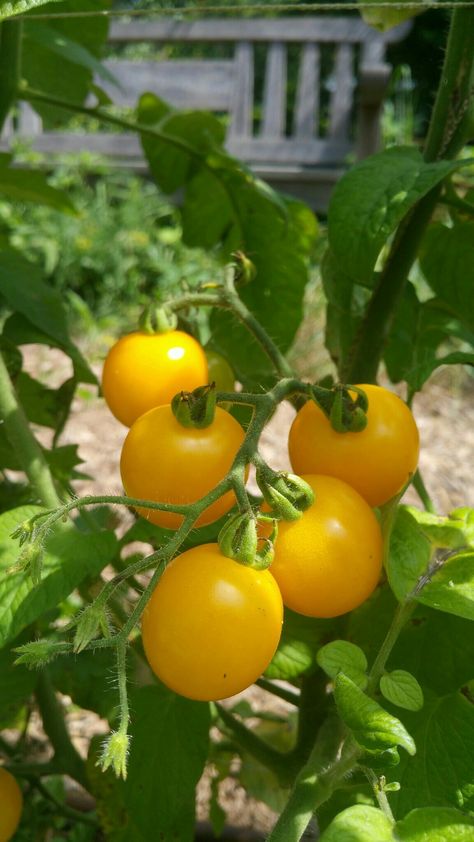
(144, 370)
(377, 462)
(329, 561)
(11, 805)
(212, 625)
(164, 461)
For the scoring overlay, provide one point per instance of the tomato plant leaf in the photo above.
(447, 264)
(17, 684)
(39, 316)
(342, 656)
(21, 185)
(372, 726)
(371, 199)
(296, 653)
(402, 689)
(453, 532)
(360, 823)
(451, 588)
(172, 733)
(409, 556)
(64, 73)
(344, 307)
(9, 8)
(88, 680)
(418, 331)
(70, 556)
(431, 824)
(442, 774)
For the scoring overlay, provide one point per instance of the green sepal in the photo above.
(238, 538)
(157, 320)
(288, 495)
(346, 414)
(195, 409)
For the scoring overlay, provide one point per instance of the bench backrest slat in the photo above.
(343, 83)
(306, 116)
(274, 96)
(242, 104)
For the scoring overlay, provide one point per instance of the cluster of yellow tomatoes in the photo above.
(212, 624)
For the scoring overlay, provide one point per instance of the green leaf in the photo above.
(385, 18)
(226, 208)
(455, 531)
(370, 201)
(60, 74)
(68, 50)
(418, 331)
(451, 588)
(431, 824)
(438, 648)
(296, 653)
(442, 773)
(447, 264)
(172, 734)
(17, 685)
(42, 405)
(402, 689)
(344, 307)
(342, 656)
(372, 726)
(9, 8)
(87, 679)
(31, 324)
(70, 556)
(360, 823)
(20, 185)
(409, 556)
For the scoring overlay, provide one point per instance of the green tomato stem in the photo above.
(362, 363)
(23, 442)
(66, 756)
(311, 789)
(10, 64)
(278, 762)
(290, 696)
(379, 793)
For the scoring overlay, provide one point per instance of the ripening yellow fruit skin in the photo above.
(329, 561)
(11, 805)
(377, 462)
(144, 370)
(212, 625)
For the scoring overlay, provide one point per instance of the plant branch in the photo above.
(363, 361)
(10, 63)
(379, 792)
(274, 760)
(290, 696)
(52, 715)
(64, 809)
(23, 442)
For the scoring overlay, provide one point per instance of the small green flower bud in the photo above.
(37, 653)
(288, 495)
(115, 751)
(92, 620)
(238, 538)
(30, 561)
(195, 409)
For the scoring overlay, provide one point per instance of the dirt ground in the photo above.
(445, 416)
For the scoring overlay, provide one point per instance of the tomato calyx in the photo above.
(158, 320)
(288, 495)
(239, 540)
(197, 408)
(346, 414)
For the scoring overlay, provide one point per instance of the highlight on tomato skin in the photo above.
(329, 562)
(144, 370)
(377, 461)
(11, 805)
(165, 462)
(212, 625)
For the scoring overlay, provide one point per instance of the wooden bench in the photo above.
(336, 107)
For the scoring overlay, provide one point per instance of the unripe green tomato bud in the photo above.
(238, 538)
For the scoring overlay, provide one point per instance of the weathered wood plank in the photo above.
(242, 98)
(343, 84)
(307, 93)
(185, 83)
(323, 29)
(274, 93)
